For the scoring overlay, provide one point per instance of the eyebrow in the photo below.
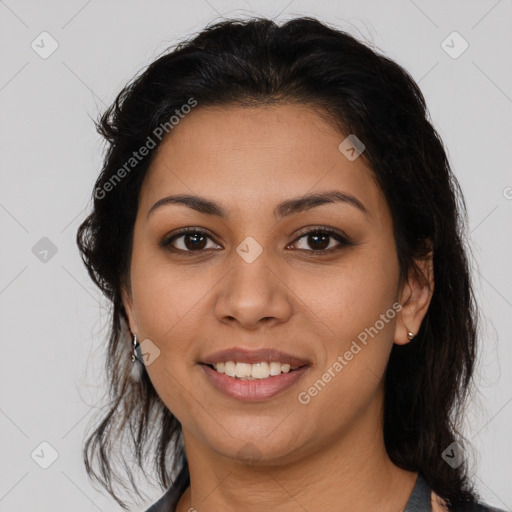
(284, 209)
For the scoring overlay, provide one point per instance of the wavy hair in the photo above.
(256, 62)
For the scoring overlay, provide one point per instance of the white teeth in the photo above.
(243, 370)
(260, 370)
(248, 371)
(229, 368)
(275, 368)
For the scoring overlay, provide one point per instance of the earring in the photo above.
(135, 347)
(410, 335)
(136, 370)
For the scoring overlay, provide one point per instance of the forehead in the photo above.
(256, 155)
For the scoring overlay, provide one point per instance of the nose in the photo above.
(254, 294)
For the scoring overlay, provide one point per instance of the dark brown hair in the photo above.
(256, 62)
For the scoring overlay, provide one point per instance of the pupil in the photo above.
(320, 235)
(196, 242)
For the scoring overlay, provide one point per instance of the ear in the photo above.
(127, 300)
(415, 296)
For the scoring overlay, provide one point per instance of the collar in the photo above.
(419, 500)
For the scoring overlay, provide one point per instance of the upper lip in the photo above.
(244, 355)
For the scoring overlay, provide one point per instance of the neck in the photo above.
(350, 471)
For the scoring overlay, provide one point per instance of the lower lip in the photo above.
(253, 390)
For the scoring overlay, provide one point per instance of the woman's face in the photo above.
(251, 281)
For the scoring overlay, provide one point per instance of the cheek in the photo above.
(356, 303)
(351, 295)
(167, 301)
(357, 308)
(170, 304)
(166, 295)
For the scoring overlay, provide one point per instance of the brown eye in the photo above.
(320, 240)
(187, 240)
(317, 241)
(194, 241)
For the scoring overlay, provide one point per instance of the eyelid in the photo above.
(318, 228)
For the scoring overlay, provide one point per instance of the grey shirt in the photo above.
(419, 500)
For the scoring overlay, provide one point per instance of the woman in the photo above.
(281, 237)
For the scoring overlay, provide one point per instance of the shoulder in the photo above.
(162, 505)
(481, 507)
(439, 505)
(169, 501)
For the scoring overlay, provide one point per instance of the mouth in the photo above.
(253, 374)
(255, 371)
(248, 388)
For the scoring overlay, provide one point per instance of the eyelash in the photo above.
(344, 240)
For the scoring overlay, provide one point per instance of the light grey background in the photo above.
(53, 321)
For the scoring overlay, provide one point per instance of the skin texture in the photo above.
(328, 454)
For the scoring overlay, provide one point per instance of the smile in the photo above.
(246, 371)
(252, 389)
